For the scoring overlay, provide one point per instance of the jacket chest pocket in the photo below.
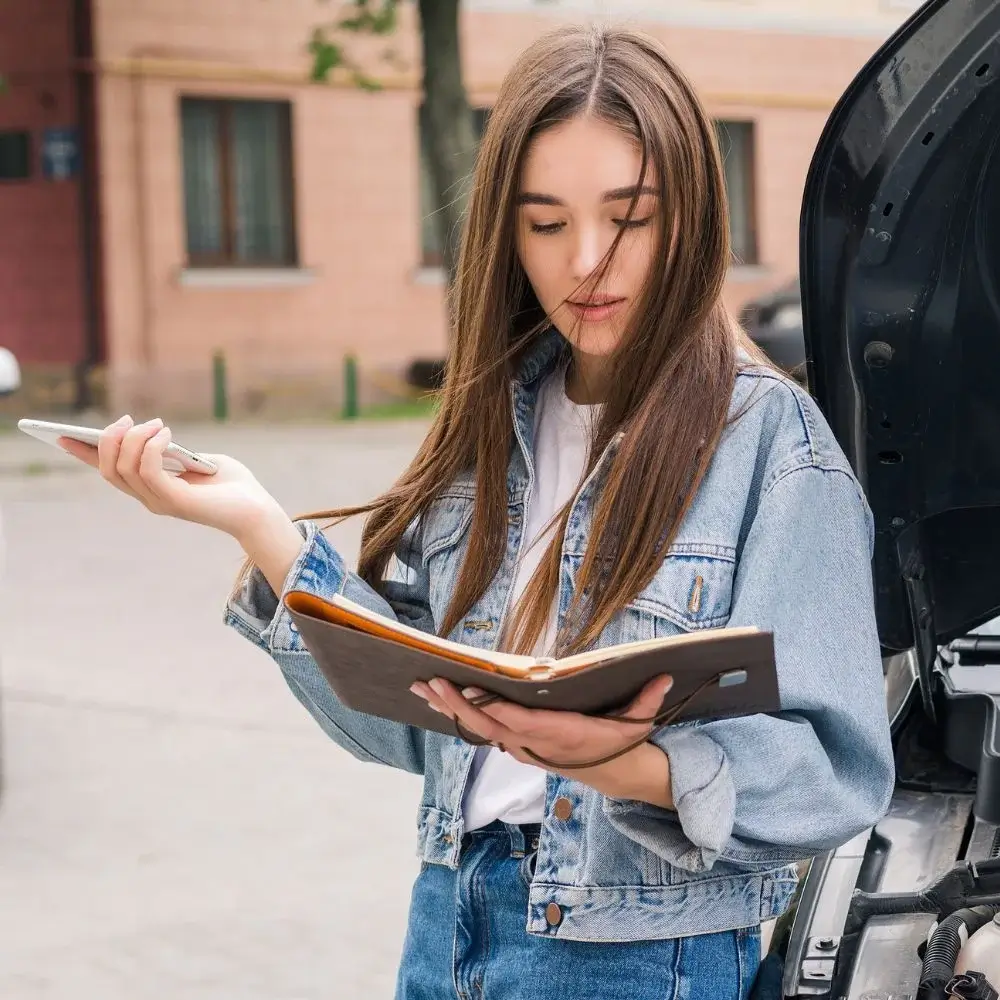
(692, 590)
(444, 541)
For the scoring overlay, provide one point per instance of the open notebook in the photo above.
(370, 662)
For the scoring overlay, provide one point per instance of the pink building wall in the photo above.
(41, 285)
(361, 288)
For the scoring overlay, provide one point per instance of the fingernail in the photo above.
(155, 422)
(415, 690)
(436, 686)
(125, 421)
(471, 693)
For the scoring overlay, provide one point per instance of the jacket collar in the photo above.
(541, 357)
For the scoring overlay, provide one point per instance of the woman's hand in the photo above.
(130, 457)
(569, 738)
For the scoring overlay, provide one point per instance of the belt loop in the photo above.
(518, 841)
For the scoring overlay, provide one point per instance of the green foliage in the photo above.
(376, 18)
(327, 56)
(367, 17)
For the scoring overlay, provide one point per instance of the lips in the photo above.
(596, 302)
(597, 309)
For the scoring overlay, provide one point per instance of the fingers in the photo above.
(421, 690)
(130, 450)
(130, 457)
(649, 700)
(447, 698)
(130, 454)
(152, 476)
(108, 447)
(84, 452)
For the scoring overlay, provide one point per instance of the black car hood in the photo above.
(900, 272)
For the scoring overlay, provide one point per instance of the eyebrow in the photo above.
(617, 194)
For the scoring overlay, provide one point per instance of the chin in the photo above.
(596, 339)
(599, 339)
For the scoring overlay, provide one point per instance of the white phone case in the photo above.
(175, 459)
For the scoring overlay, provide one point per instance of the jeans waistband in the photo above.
(523, 837)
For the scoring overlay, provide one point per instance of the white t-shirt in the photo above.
(501, 787)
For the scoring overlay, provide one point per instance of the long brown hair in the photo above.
(674, 369)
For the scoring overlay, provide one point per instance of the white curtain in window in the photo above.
(430, 236)
(259, 132)
(736, 141)
(202, 178)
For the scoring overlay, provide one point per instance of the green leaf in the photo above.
(327, 56)
(368, 20)
(367, 83)
(385, 22)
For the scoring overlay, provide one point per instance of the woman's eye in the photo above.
(633, 223)
(546, 227)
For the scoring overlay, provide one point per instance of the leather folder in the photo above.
(370, 662)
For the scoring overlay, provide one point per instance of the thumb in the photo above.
(647, 702)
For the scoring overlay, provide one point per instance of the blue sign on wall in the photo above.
(60, 153)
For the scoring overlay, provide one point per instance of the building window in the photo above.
(430, 239)
(15, 156)
(736, 140)
(238, 197)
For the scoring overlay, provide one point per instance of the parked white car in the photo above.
(10, 372)
(10, 382)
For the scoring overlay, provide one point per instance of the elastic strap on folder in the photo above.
(656, 723)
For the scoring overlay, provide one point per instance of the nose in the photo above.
(588, 252)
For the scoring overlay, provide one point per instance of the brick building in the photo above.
(171, 186)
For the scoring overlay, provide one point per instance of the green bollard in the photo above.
(350, 387)
(220, 402)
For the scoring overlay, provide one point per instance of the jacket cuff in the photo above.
(693, 835)
(258, 614)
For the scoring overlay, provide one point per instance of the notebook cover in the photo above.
(373, 675)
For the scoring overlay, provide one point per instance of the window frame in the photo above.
(24, 136)
(434, 259)
(223, 108)
(749, 167)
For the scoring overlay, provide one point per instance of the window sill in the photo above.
(245, 277)
(746, 273)
(429, 275)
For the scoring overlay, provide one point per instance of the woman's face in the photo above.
(576, 185)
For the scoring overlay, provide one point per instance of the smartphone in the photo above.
(175, 459)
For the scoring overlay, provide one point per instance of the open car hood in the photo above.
(900, 271)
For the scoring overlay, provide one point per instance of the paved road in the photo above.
(173, 825)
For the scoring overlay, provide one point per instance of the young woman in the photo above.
(610, 462)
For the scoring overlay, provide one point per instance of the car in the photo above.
(900, 278)
(774, 323)
(10, 382)
(10, 372)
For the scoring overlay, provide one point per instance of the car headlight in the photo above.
(10, 373)
(787, 317)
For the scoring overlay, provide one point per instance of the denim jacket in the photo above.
(779, 536)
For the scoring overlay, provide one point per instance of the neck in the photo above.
(588, 379)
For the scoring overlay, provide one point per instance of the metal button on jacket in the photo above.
(563, 808)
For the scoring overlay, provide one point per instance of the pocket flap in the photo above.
(692, 589)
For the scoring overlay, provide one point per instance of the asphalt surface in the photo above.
(173, 824)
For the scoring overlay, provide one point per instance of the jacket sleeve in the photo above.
(764, 791)
(257, 614)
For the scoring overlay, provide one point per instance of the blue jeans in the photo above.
(466, 940)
